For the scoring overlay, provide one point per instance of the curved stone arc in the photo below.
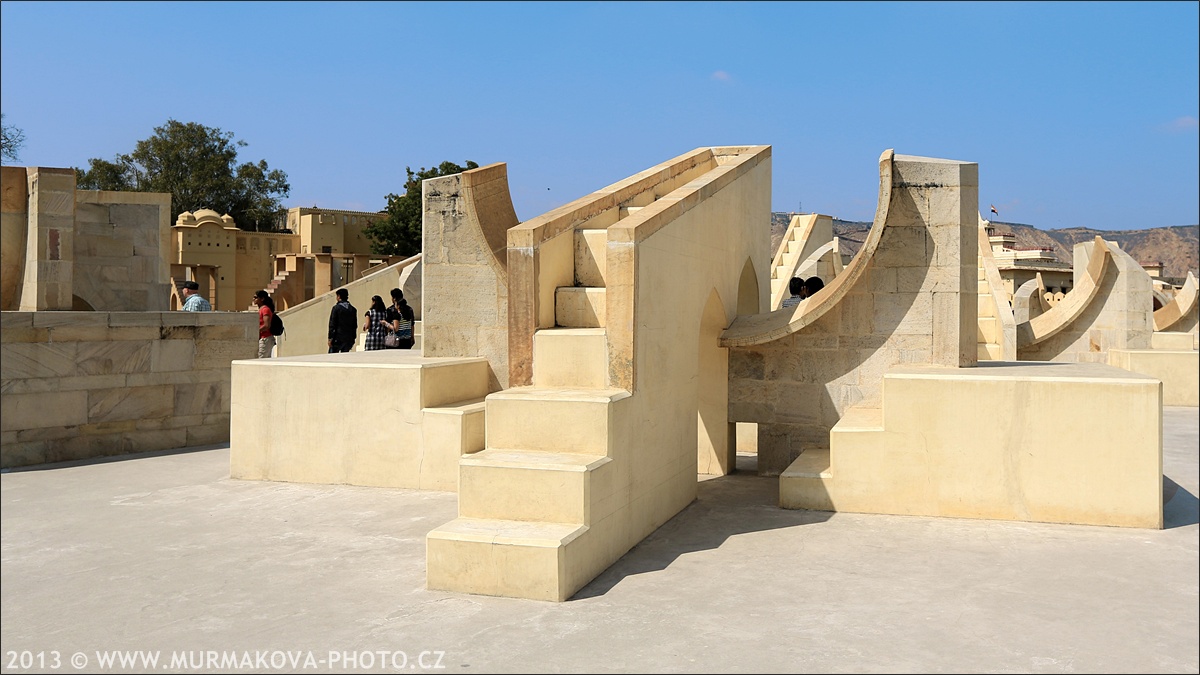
(1043, 303)
(815, 258)
(1004, 311)
(1025, 300)
(756, 329)
(1184, 301)
(1061, 315)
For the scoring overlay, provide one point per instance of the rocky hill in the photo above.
(1177, 248)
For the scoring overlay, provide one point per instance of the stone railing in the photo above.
(78, 385)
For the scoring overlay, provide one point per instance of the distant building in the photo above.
(1020, 264)
(320, 250)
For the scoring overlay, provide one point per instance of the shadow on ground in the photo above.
(725, 506)
(1180, 507)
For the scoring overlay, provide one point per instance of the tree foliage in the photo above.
(198, 166)
(400, 232)
(11, 141)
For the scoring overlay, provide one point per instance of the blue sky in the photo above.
(1078, 114)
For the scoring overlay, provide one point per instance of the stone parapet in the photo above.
(78, 385)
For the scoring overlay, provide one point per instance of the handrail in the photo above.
(1184, 301)
(530, 287)
(755, 329)
(623, 237)
(1061, 315)
(397, 267)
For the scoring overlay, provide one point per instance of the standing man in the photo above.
(343, 324)
(192, 300)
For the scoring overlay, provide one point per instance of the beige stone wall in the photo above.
(66, 249)
(465, 287)
(914, 303)
(686, 267)
(121, 239)
(77, 385)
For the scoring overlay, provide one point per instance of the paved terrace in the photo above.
(167, 553)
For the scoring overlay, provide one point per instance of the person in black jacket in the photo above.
(343, 324)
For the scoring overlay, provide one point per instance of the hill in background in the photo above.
(1177, 248)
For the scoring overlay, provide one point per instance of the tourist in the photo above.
(343, 323)
(796, 288)
(376, 326)
(266, 312)
(192, 300)
(812, 285)
(400, 317)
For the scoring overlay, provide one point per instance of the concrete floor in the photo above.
(167, 553)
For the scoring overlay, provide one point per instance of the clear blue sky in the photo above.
(1078, 113)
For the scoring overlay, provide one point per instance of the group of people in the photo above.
(386, 326)
(802, 289)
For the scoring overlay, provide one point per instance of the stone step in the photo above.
(529, 485)
(803, 484)
(580, 306)
(989, 351)
(857, 419)
(570, 357)
(985, 306)
(506, 558)
(447, 433)
(551, 419)
(591, 259)
(987, 329)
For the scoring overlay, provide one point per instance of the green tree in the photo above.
(198, 166)
(400, 232)
(11, 141)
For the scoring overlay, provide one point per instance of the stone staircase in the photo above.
(786, 259)
(989, 332)
(534, 504)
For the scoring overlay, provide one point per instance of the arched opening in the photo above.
(746, 433)
(78, 304)
(748, 300)
(715, 446)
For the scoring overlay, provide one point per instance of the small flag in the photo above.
(994, 209)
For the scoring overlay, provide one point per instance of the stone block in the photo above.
(928, 172)
(202, 398)
(172, 355)
(31, 360)
(177, 377)
(28, 334)
(135, 319)
(102, 358)
(149, 441)
(37, 411)
(130, 403)
(208, 434)
(902, 247)
(220, 353)
(904, 313)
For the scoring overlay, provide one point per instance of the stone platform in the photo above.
(1032, 441)
(386, 418)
